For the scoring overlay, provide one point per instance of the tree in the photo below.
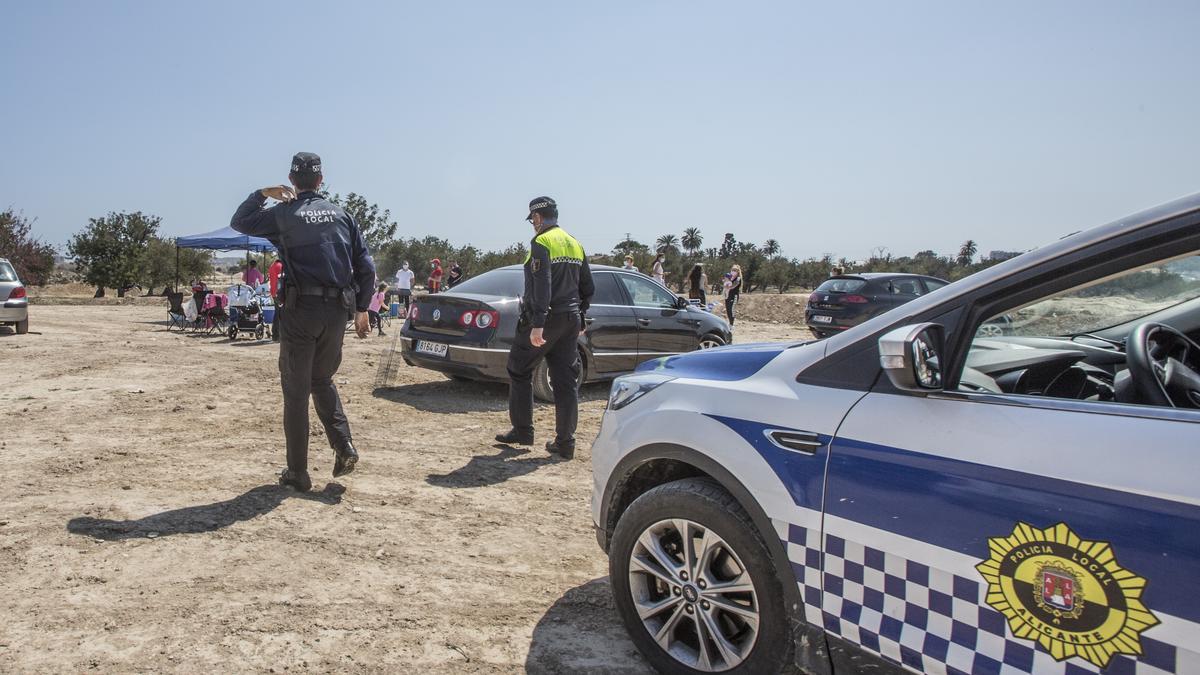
(668, 243)
(771, 248)
(110, 252)
(729, 247)
(692, 240)
(630, 247)
(967, 252)
(32, 259)
(377, 225)
(158, 264)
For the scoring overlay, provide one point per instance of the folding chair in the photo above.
(176, 312)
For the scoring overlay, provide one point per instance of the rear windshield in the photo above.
(7, 273)
(842, 285)
(508, 283)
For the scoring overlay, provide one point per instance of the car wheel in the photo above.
(542, 389)
(711, 340)
(22, 327)
(694, 584)
(990, 330)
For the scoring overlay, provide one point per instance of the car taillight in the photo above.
(413, 313)
(486, 319)
(17, 293)
(855, 299)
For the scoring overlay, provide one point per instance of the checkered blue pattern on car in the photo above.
(926, 619)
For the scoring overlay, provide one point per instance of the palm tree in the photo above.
(967, 253)
(771, 248)
(692, 240)
(667, 242)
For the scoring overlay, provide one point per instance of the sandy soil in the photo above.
(141, 530)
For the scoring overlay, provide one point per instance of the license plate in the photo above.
(818, 318)
(432, 348)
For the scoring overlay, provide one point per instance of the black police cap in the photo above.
(306, 163)
(539, 203)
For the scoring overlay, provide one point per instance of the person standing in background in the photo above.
(455, 276)
(404, 282)
(273, 273)
(658, 273)
(253, 277)
(734, 293)
(376, 306)
(697, 280)
(629, 264)
(434, 283)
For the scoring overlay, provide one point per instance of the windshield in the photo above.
(7, 273)
(1114, 301)
(841, 285)
(506, 282)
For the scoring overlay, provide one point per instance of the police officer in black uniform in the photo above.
(329, 277)
(558, 290)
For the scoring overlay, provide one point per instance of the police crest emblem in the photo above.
(1065, 593)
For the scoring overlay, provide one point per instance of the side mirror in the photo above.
(681, 302)
(912, 357)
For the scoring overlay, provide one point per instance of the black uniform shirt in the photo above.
(320, 244)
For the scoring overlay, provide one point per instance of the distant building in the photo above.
(998, 256)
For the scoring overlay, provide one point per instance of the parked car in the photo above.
(911, 496)
(467, 332)
(846, 300)
(15, 311)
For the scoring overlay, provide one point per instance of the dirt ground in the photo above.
(141, 528)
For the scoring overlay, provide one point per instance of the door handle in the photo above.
(803, 442)
(588, 320)
(643, 322)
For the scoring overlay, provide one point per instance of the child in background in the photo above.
(376, 304)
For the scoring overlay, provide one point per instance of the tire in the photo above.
(22, 327)
(710, 340)
(259, 332)
(233, 332)
(705, 510)
(542, 390)
(989, 330)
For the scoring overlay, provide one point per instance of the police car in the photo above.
(913, 495)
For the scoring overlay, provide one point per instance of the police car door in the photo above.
(1018, 527)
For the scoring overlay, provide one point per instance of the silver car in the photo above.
(15, 311)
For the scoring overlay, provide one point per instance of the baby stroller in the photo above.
(245, 314)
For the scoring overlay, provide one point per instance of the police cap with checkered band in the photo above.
(306, 163)
(545, 205)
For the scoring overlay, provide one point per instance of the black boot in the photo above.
(564, 449)
(299, 481)
(347, 457)
(514, 437)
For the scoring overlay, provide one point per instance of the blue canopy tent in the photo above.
(223, 239)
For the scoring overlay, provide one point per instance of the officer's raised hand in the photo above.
(280, 193)
(362, 324)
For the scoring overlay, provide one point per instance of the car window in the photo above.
(646, 293)
(7, 273)
(506, 282)
(933, 284)
(607, 290)
(842, 285)
(1049, 347)
(906, 287)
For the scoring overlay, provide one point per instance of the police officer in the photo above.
(558, 290)
(328, 276)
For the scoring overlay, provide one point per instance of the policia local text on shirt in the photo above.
(558, 290)
(327, 276)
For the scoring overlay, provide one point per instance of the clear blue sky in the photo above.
(832, 127)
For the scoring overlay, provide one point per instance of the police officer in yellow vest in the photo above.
(558, 290)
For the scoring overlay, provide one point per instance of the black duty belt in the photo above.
(319, 291)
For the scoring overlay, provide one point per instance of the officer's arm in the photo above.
(252, 219)
(586, 288)
(364, 267)
(540, 297)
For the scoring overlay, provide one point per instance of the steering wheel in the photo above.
(1158, 359)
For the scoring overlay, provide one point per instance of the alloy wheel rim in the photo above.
(990, 330)
(709, 343)
(694, 595)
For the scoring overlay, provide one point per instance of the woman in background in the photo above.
(376, 305)
(658, 274)
(734, 292)
(697, 281)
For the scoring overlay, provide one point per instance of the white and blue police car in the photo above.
(914, 495)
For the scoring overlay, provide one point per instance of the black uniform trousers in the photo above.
(310, 352)
(562, 357)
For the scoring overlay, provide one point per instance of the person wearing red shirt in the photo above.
(435, 276)
(273, 274)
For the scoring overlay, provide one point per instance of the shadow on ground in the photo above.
(581, 633)
(468, 396)
(204, 518)
(484, 470)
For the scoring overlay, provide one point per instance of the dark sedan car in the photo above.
(847, 300)
(466, 333)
